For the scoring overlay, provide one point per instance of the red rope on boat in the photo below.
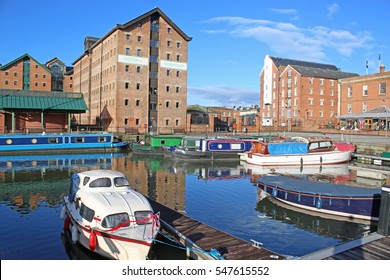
(155, 223)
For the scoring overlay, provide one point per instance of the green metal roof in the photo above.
(48, 101)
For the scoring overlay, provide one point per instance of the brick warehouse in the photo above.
(134, 79)
(33, 97)
(300, 94)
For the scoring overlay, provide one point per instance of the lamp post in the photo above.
(386, 124)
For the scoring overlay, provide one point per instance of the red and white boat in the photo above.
(296, 151)
(105, 215)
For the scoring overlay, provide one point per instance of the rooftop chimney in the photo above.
(382, 69)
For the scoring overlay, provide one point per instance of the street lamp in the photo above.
(386, 124)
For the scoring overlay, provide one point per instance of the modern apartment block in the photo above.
(296, 93)
(134, 78)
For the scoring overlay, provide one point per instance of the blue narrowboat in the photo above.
(61, 142)
(214, 149)
(336, 199)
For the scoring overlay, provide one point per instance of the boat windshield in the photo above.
(100, 183)
(121, 182)
(143, 217)
(119, 219)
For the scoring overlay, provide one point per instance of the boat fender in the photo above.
(321, 160)
(92, 241)
(301, 161)
(66, 222)
(62, 213)
(275, 192)
(319, 203)
(75, 236)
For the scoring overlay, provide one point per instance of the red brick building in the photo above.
(28, 101)
(134, 78)
(298, 94)
(365, 101)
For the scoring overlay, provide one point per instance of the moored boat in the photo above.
(298, 151)
(156, 144)
(323, 224)
(107, 217)
(61, 142)
(335, 199)
(213, 149)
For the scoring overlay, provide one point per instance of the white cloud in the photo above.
(332, 9)
(284, 11)
(287, 39)
(222, 96)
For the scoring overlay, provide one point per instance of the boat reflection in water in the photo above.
(324, 224)
(56, 161)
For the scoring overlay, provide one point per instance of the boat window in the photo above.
(313, 146)
(52, 140)
(79, 139)
(121, 182)
(86, 180)
(86, 213)
(120, 219)
(102, 139)
(235, 146)
(100, 183)
(326, 144)
(143, 217)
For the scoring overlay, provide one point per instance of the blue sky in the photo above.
(229, 38)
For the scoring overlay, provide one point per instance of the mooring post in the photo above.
(384, 212)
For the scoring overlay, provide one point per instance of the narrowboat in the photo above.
(156, 145)
(336, 199)
(323, 224)
(61, 142)
(214, 149)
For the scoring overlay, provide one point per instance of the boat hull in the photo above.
(184, 154)
(146, 150)
(118, 246)
(318, 158)
(67, 142)
(340, 200)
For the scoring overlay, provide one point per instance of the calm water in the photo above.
(219, 194)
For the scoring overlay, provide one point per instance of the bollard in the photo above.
(384, 212)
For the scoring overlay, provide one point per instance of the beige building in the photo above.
(134, 78)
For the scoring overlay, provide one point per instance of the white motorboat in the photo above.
(106, 216)
(298, 151)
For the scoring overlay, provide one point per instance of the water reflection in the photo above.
(220, 194)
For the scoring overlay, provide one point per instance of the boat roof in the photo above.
(113, 199)
(318, 188)
(36, 135)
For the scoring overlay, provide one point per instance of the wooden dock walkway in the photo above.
(202, 236)
(375, 250)
(371, 247)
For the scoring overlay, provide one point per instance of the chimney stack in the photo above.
(382, 69)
